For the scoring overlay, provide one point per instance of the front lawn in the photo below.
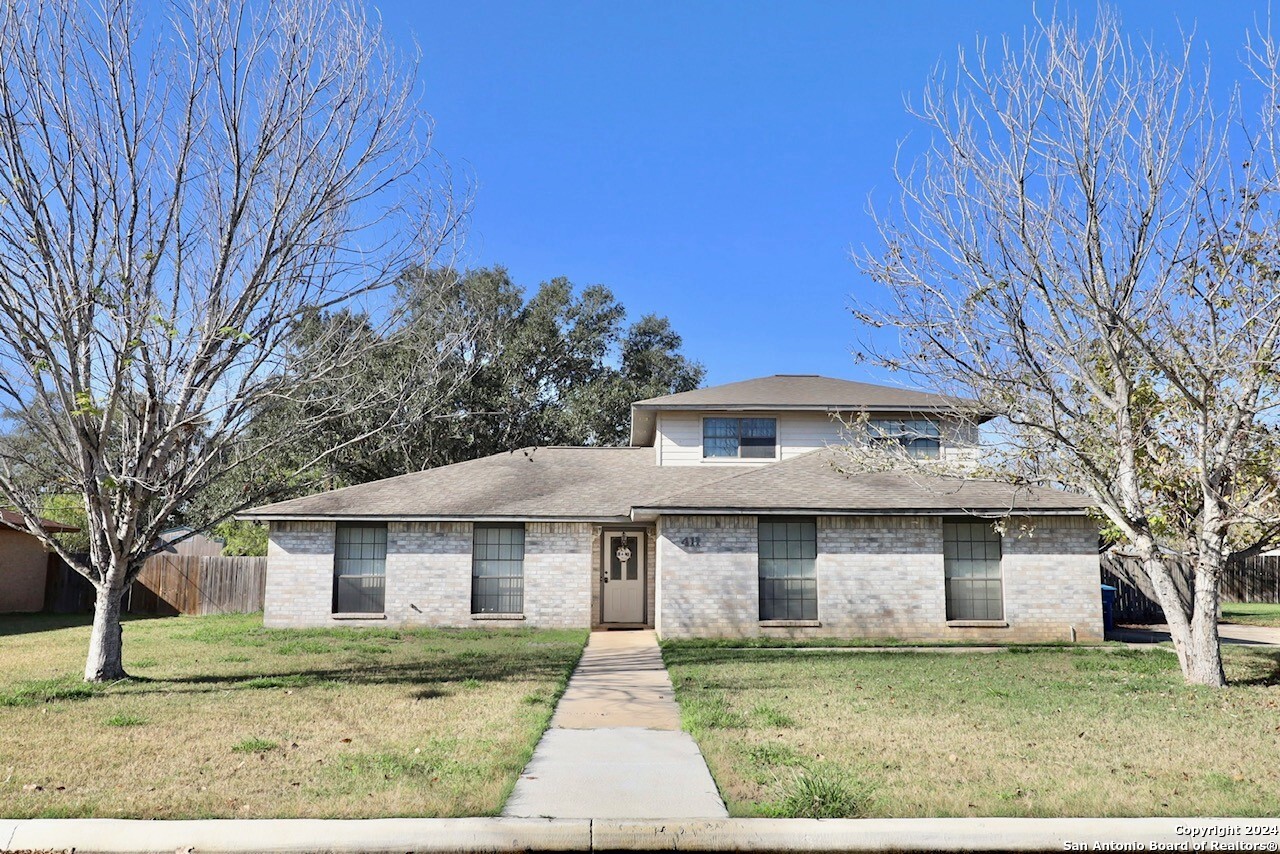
(1035, 732)
(1251, 614)
(227, 719)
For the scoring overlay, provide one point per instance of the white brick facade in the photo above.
(877, 577)
(428, 579)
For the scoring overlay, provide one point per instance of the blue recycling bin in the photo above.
(1108, 607)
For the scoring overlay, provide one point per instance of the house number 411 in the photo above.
(691, 542)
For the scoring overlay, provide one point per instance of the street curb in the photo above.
(457, 835)
(296, 836)
(931, 834)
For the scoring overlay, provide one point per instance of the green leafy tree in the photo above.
(559, 368)
(242, 538)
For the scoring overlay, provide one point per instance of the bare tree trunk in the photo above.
(106, 644)
(1194, 634)
(1202, 662)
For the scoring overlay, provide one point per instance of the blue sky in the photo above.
(709, 161)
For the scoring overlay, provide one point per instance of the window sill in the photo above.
(348, 616)
(790, 624)
(497, 616)
(978, 624)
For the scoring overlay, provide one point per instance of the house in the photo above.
(182, 542)
(726, 516)
(24, 563)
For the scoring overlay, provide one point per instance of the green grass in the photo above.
(224, 718)
(254, 745)
(1251, 614)
(822, 643)
(38, 691)
(1032, 732)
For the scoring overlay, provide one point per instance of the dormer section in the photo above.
(770, 419)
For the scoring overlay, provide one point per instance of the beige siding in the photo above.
(679, 436)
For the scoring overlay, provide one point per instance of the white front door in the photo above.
(623, 577)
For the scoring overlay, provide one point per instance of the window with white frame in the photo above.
(744, 438)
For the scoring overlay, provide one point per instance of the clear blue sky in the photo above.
(707, 161)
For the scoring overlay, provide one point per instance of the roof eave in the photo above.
(424, 517)
(978, 415)
(648, 514)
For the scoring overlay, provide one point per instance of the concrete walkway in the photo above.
(614, 748)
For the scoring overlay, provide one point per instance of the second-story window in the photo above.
(747, 438)
(919, 437)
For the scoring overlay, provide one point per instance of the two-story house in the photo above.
(728, 515)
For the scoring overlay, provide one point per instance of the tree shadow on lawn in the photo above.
(1263, 670)
(12, 625)
(423, 675)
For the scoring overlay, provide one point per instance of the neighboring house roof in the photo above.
(13, 519)
(194, 544)
(608, 484)
(801, 392)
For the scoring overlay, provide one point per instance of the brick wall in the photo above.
(709, 589)
(299, 574)
(428, 579)
(879, 577)
(23, 565)
(557, 574)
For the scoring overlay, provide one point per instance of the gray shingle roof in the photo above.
(545, 482)
(609, 483)
(805, 391)
(814, 482)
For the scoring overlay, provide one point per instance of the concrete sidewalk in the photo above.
(614, 748)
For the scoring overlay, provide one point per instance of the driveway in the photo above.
(1230, 633)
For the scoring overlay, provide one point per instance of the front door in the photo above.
(623, 577)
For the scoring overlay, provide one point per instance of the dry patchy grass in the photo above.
(227, 719)
(1036, 732)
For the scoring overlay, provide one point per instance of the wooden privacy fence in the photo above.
(1254, 579)
(170, 585)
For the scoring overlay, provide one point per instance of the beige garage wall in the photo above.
(23, 563)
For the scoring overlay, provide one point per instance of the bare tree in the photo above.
(180, 186)
(1089, 245)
